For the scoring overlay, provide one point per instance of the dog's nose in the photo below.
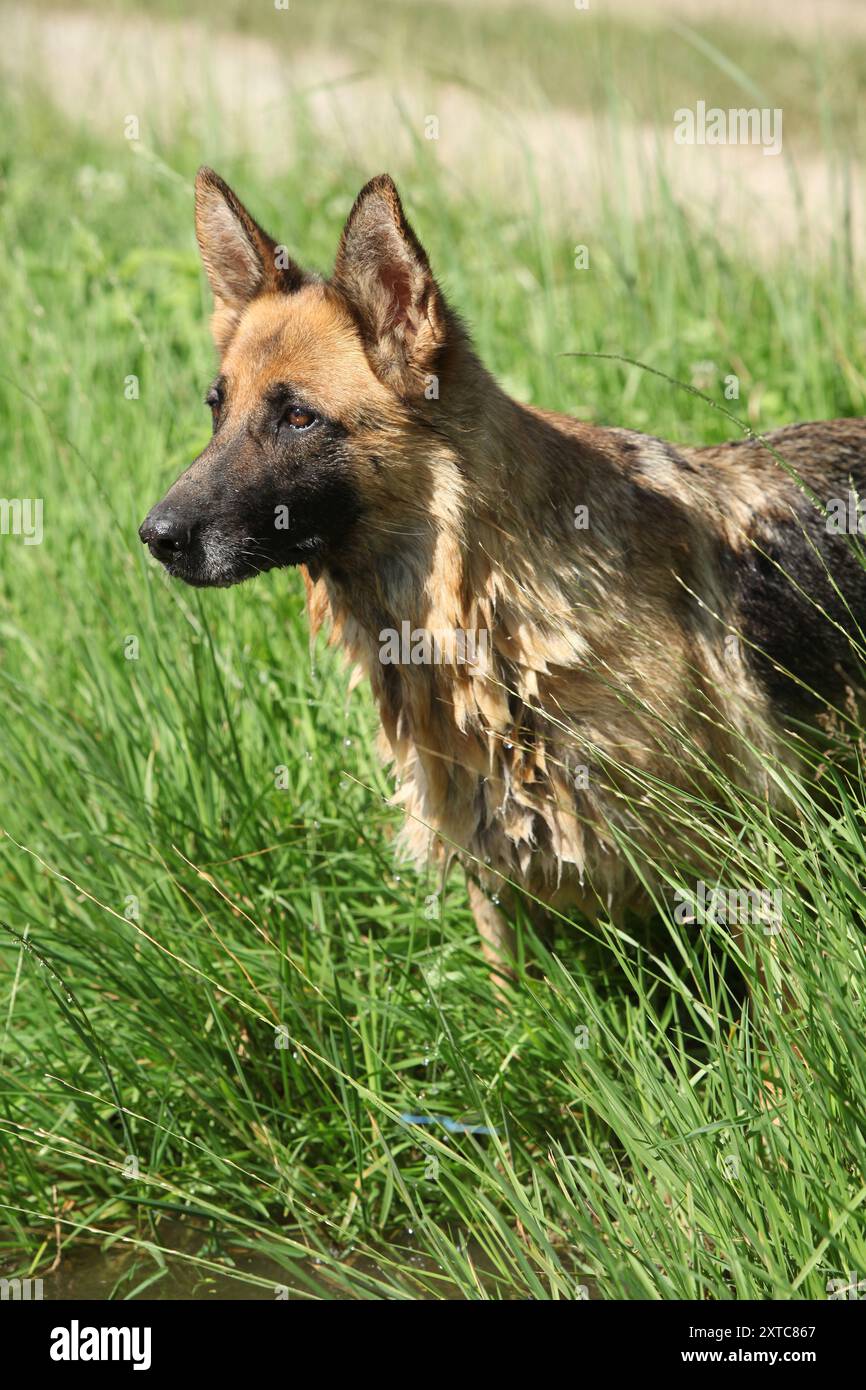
(165, 532)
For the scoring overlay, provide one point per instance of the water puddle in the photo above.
(182, 1267)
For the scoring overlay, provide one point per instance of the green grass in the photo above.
(236, 984)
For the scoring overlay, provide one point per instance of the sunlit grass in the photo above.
(219, 998)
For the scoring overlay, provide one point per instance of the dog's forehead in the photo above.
(307, 340)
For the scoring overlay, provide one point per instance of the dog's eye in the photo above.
(300, 419)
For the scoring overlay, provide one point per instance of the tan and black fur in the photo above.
(417, 491)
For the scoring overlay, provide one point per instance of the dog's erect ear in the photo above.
(383, 271)
(239, 258)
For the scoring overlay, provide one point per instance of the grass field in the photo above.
(220, 996)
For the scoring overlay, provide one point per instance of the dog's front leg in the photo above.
(498, 939)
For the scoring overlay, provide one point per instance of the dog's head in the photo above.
(323, 408)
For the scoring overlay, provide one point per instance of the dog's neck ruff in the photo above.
(465, 679)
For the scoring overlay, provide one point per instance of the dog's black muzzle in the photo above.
(166, 532)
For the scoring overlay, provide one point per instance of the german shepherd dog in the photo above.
(639, 612)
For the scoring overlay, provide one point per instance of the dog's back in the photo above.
(796, 567)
